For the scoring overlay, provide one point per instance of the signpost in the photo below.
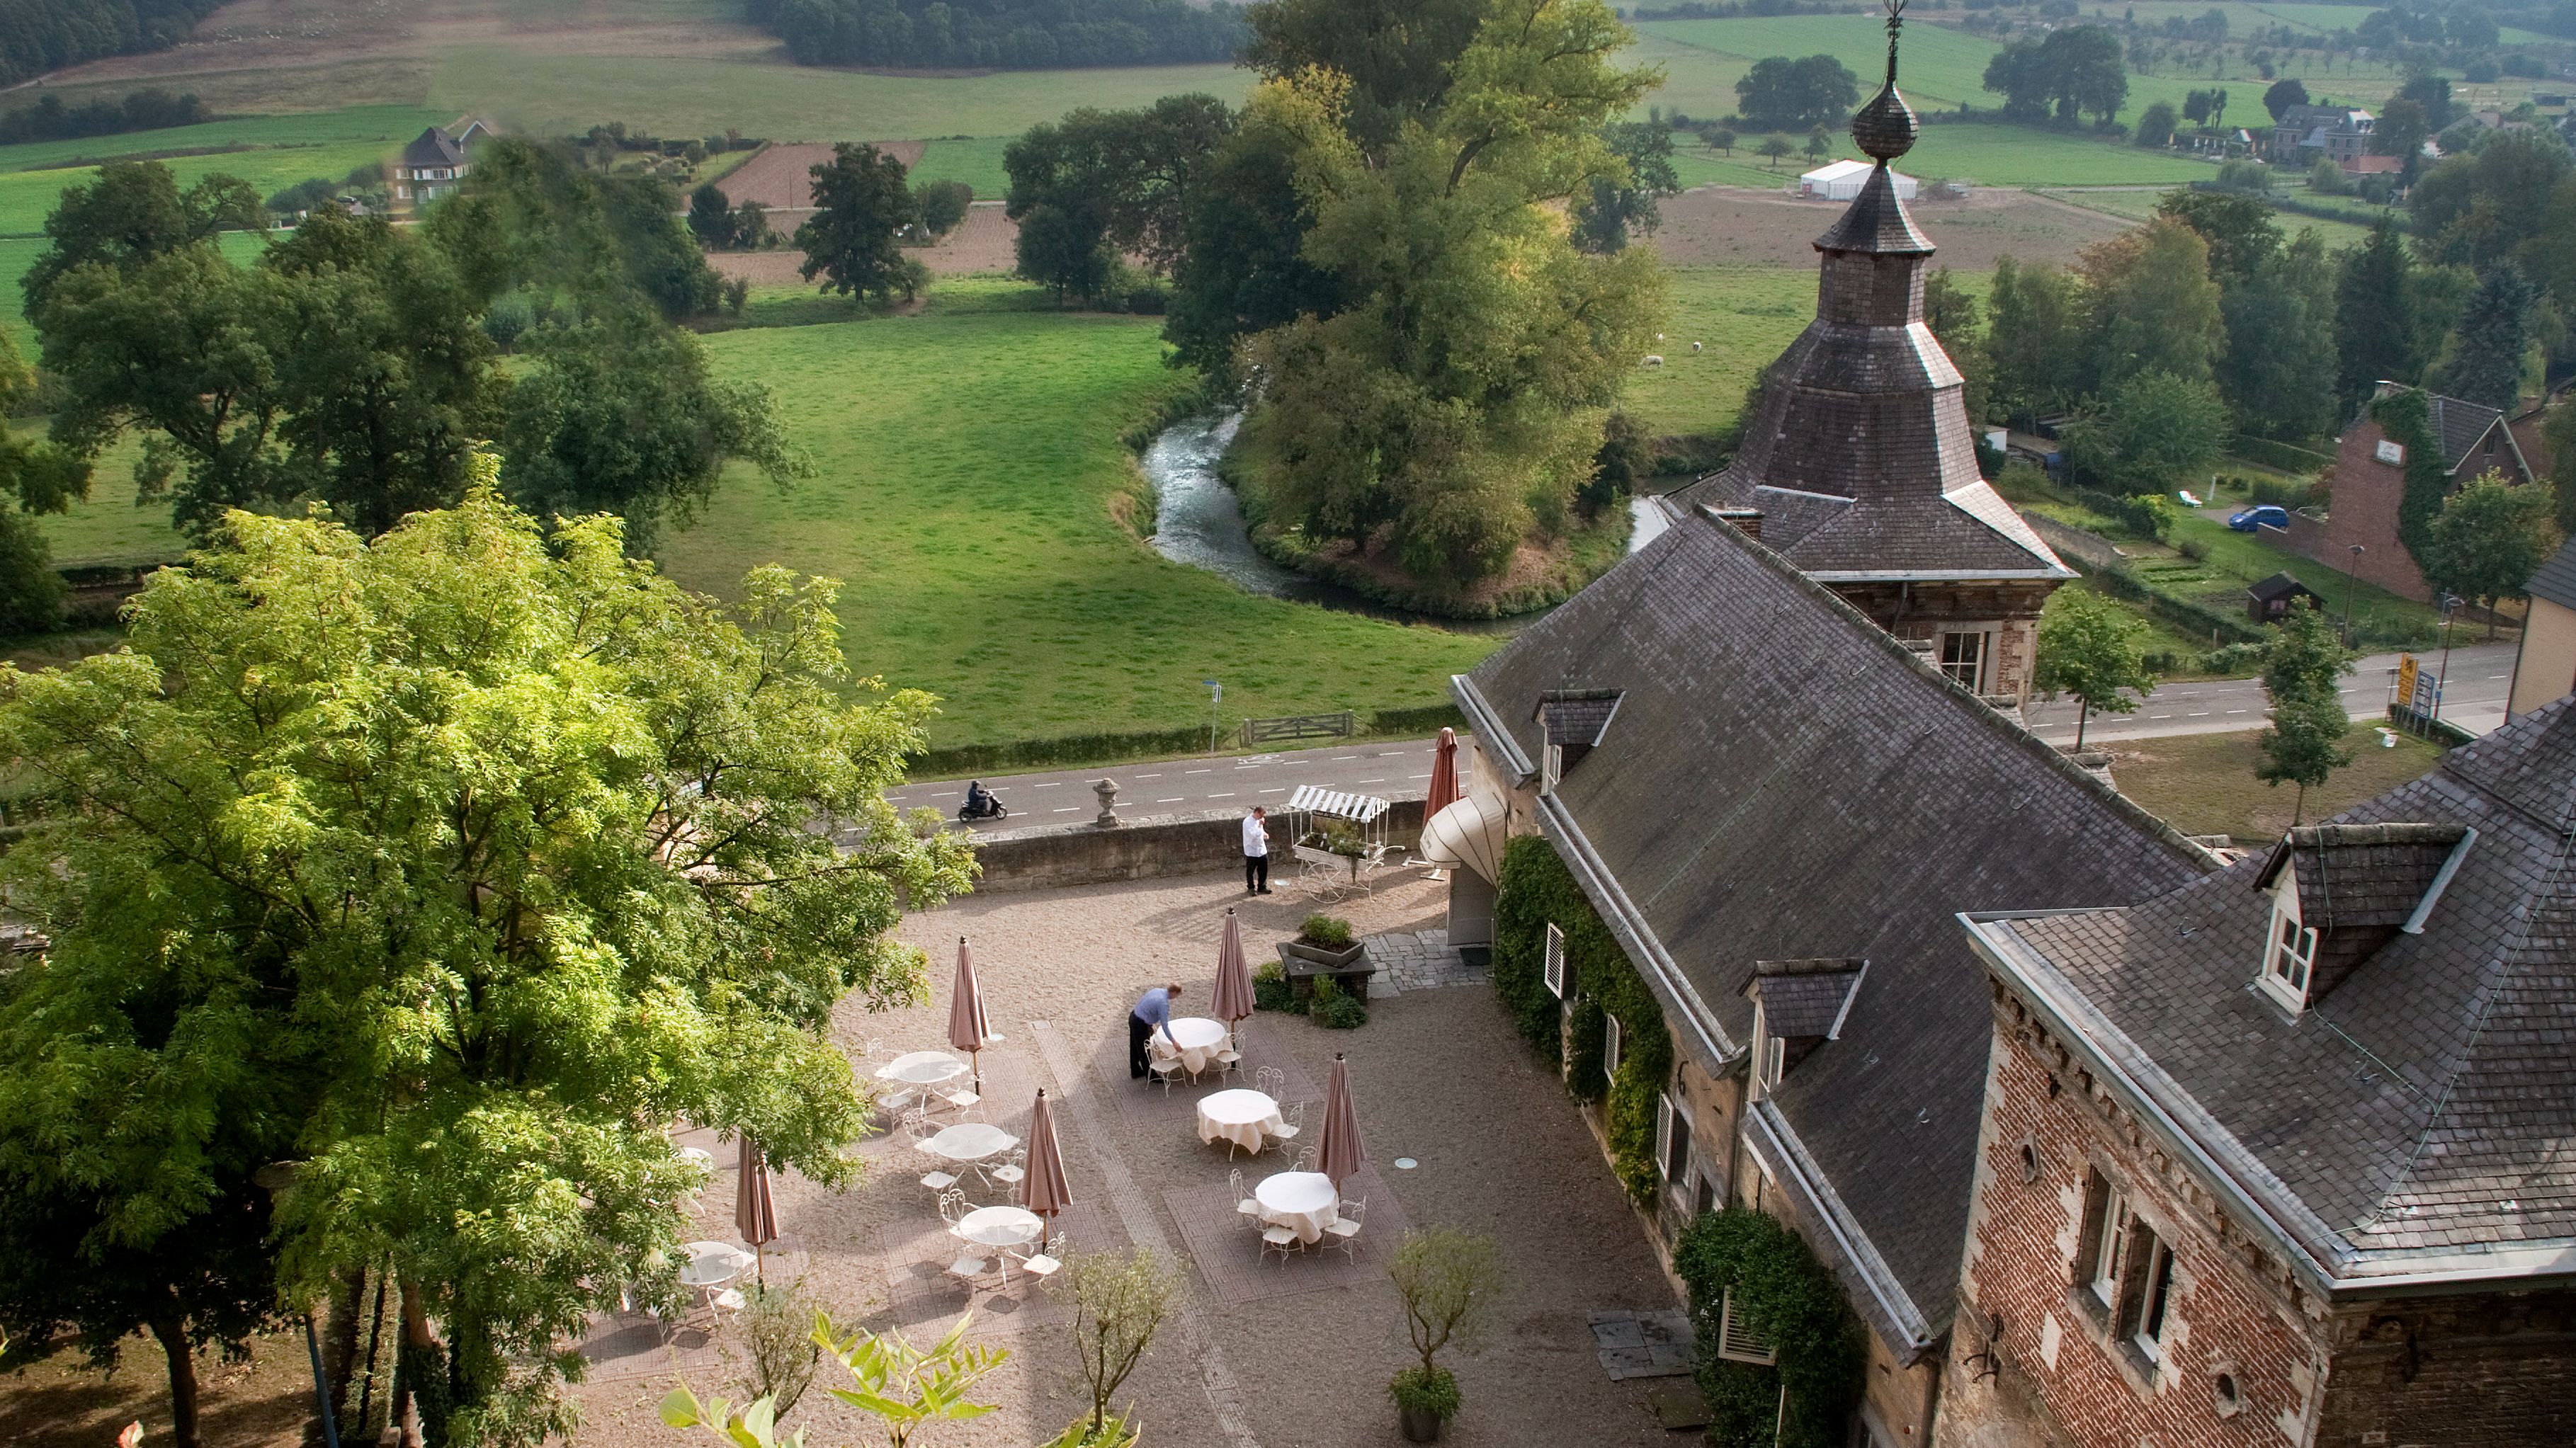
(2419, 695)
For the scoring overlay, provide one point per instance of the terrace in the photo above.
(1257, 1352)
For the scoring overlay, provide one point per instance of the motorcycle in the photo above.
(992, 810)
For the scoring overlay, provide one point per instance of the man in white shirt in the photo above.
(1256, 852)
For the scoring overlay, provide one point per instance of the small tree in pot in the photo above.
(1119, 1302)
(1450, 1280)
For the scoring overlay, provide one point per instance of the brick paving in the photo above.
(1229, 1257)
(1419, 960)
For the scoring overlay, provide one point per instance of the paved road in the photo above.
(1170, 786)
(2474, 699)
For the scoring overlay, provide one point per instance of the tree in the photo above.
(1780, 94)
(2431, 91)
(34, 478)
(2089, 648)
(2240, 231)
(1243, 267)
(2401, 131)
(1057, 248)
(2498, 202)
(2197, 105)
(1118, 181)
(1451, 1283)
(2156, 125)
(2558, 435)
(2283, 94)
(2153, 306)
(2148, 433)
(940, 205)
(2375, 312)
(860, 204)
(1119, 1300)
(1819, 145)
(522, 784)
(2488, 540)
(901, 1385)
(2036, 346)
(2278, 373)
(1950, 310)
(2076, 69)
(2493, 343)
(130, 214)
(1773, 148)
(1722, 138)
(711, 217)
(2302, 672)
(1398, 55)
(751, 227)
(1619, 204)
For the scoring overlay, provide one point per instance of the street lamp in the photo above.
(2351, 586)
(2450, 601)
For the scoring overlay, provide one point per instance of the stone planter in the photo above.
(1420, 1425)
(1348, 969)
(1328, 959)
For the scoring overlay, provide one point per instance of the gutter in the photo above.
(2128, 1071)
(1775, 1143)
(1488, 727)
(1719, 1051)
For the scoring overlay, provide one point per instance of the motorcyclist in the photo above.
(979, 802)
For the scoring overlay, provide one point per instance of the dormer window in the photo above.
(1551, 768)
(1798, 1005)
(2291, 954)
(2341, 892)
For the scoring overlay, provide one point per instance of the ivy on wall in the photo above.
(1788, 1299)
(2407, 418)
(1536, 891)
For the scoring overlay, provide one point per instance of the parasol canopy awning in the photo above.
(1315, 799)
(1468, 835)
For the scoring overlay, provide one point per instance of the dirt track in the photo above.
(981, 243)
(1734, 226)
(780, 176)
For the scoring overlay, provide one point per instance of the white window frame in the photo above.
(1678, 1144)
(1665, 1119)
(1736, 1342)
(2107, 1246)
(1609, 1047)
(2289, 951)
(1552, 966)
(2155, 1298)
(1551, 768)
(1975, 683)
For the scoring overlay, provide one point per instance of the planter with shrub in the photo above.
(1336, 1009)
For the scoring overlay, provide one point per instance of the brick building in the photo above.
(2304, 134)
(1860, 465)
(2279, 1157)
(2367, 486)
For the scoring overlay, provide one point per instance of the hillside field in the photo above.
(1989, 154)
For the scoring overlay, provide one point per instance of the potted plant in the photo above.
(1325, 941)
(1119, 1301)
(1450, 1280)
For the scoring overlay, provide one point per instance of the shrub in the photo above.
(1435, 1392)
(1342, 1013)
(1270, 990)
(1325, 933)
(2236, 658)
(2196, 549)
(1785, 1295)
(2285, 492)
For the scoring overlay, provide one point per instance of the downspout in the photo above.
(1940, 1362)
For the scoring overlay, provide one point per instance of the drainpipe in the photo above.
(1932, 1395)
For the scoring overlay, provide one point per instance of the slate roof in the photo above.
(1785, 781)
(2556, 580)
(1577, 716)
(2281, 585)
(2416, 1116)
(1861, 458)
(2352, 876)
(2457, 426)
(1805, 997)
(432, 147)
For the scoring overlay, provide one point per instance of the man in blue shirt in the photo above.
(1153, 1008)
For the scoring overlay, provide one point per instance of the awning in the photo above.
(1313, 799)
(1468, 835)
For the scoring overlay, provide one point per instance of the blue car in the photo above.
(2269, 515)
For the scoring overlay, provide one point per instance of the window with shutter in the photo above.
(1664, 1135)
(1554, 967)
(1610, 1046)
(1736, 1340)
(1551, 768)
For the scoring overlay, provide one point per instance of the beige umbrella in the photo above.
(1339, 1153)
(1233, 977)
(967, 1029)
(1444, 779)
(1044, 1191)
(754, 1214)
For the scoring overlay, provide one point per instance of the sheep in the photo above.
(1694, 349)
(1654, 360)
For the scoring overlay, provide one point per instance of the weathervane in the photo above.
(1886, 127)
(1895, 23)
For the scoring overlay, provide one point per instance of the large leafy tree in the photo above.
(1604, 218)
(2090, 649)
(2376, 304)
(2488, 540)
(1780, 94)
(2278, 373)
(2493, 341)
(2076, 70)
(2496, 202)
(2152, 304)
(1098, 183)
(1243, 267)
(2036, 349)
(1457, 400)
(2148, 434)
(443, 870)
(1950, 310)
(131, 213)
(861, 202)
(2303, 671)
(1396, 54)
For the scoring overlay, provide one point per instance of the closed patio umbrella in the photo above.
(1339, 1153)
(967, 1029)
(1233, 977)
(754, 1214)
(1045, 1191)
(1444, 779)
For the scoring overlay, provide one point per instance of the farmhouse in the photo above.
(1860, 466)
(436, 161)
(2368, 487)
(2340, 134)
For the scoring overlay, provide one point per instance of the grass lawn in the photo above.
(968, 456)
(2204, 784)
(2236, 559)
(2142, 204)
(28, 197)
(320, 128)
(107, 527)
(1743, 316)
(975, 160)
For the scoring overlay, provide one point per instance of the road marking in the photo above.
(1281, 790)
(1229, 794)
(2160, 716)
(1065, 809)
(1419, 776)
(1175, 799)
(1373, 781)
(1146, 776)
(2239, 711)
(1050, 784)
(2199, 714)
(945, 794)
(1338, 758)
(1196, 771)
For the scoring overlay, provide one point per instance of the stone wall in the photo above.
(1038, 857)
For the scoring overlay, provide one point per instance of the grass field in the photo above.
(1990, 155)
(1742, 317)
(968, 458)
(976, 160)
(357, 123)
(107, 527)
(2204, 784)
(27, 197)
(2142, 204)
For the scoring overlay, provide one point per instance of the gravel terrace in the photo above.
(1292, 1356)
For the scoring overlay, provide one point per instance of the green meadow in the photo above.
(969, 463)
(1741, 317)
(28, 197)
(1987, 154)
(975, 160)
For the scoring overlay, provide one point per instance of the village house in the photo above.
(2367, 488)
(2340, 134)
(1860, 465)
(2544, 663)
(2280, 1156)
(436, 161)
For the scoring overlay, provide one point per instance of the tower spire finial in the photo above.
(1895, 23)
(1886, 127)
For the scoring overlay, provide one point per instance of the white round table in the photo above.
(922, 1068)
(1000, 1226)
(1306, 1202)
(1242, 1117)
(1198, 1039)
(713, 1264)
(699, 1157)
(970, 1141)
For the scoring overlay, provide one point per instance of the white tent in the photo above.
(1842, 180)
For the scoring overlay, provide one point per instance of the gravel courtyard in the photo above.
(1293, 1356)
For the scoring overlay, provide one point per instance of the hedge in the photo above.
(1788, 1298)
(1076, 749)
(2278, 454)
(1536, 891)
(2182, 613)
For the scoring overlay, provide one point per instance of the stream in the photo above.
(1199, 522)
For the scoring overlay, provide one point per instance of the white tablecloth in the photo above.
(713, 1264)
(1244, 1117)
(922, 1068)
(1305, 1201)
(970, 1141)
(1199, 1040)
(1000, 1226)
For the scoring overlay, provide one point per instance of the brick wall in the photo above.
(2364, 511)
(2055, 1375)
(2490, 1369)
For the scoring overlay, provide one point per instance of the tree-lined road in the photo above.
(2474, 699)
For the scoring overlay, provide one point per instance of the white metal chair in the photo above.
(1292, 1124)
(1012, 1171)
(1279, 1239)
(1047, 1260)
(952, 1207)
(1270, 1081)
(1305, 1160)
(1164, 1069)
(1246, 1208)
(1345, 1228)
(1228, 1059)
(968, 1269)
(963, 1101)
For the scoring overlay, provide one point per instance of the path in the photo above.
(1171, 786)
(2474, 700)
